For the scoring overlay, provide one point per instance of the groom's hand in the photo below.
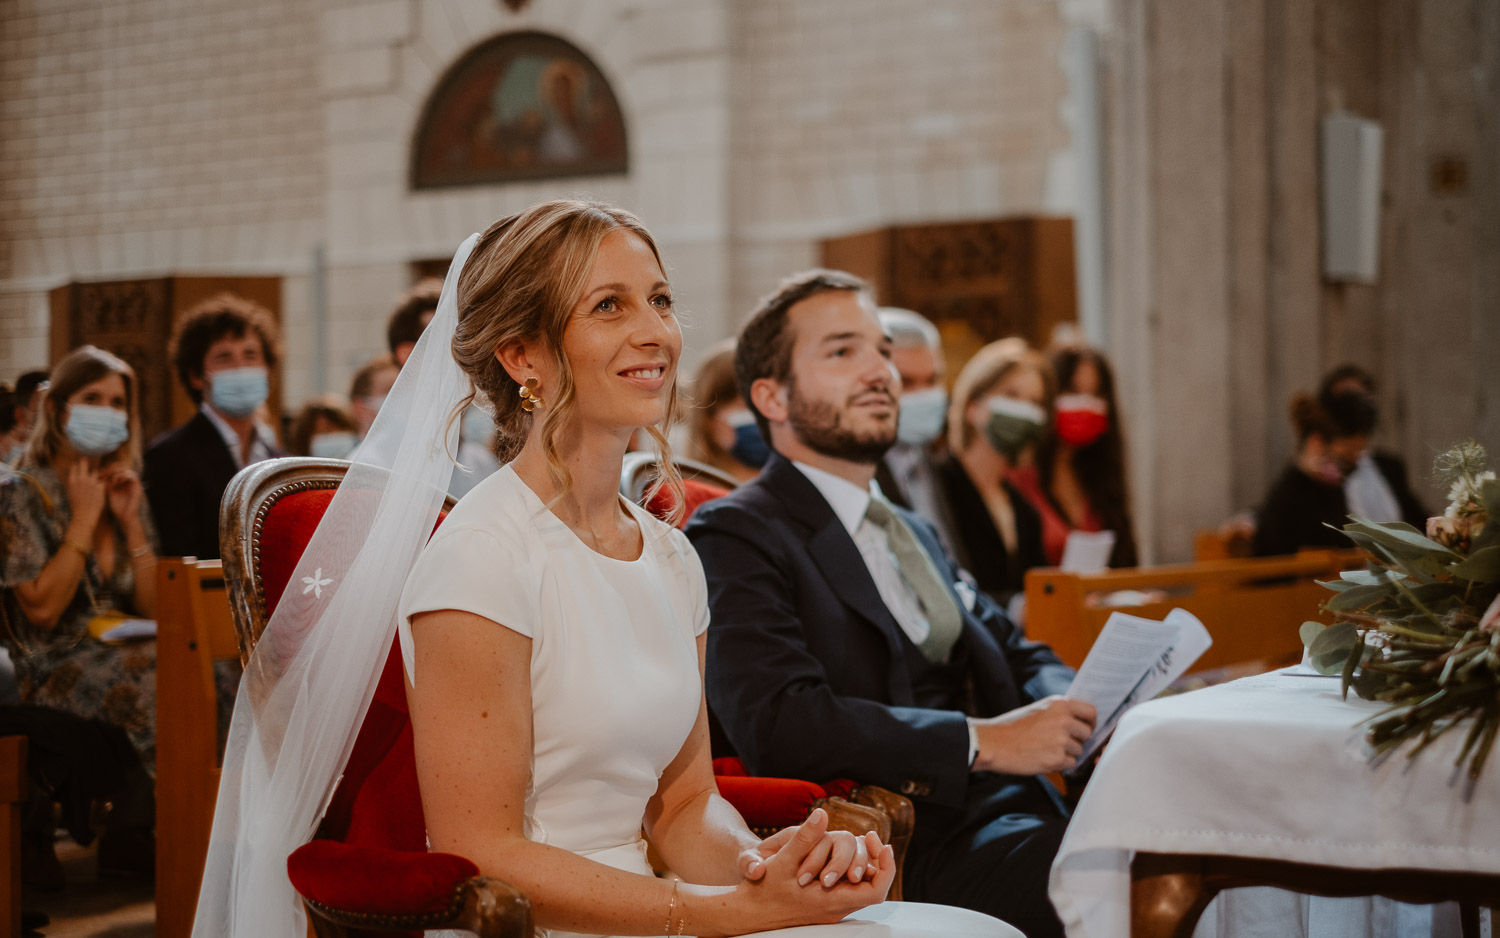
(1046, 736)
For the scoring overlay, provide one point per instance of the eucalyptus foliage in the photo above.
(1420, 629)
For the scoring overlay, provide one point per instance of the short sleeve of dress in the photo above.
(695, 583)
(473, 571)
(24, 532)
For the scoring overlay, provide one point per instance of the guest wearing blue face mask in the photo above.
(907, 475)
(323, 428)
(223, 350)
(76, 555)
(722, 430)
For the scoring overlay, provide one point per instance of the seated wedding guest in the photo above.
(323, 428)
(1309, 494)
(412, 314)
(721, 429)
(476, 459)
(1377, 489)
(76, 555)
(844, 644)
(999, 411)
(552, 633)
(1076, 481)
(906, 475)
(26, 401)
(367, 391)
(10, 453)
(222, 350)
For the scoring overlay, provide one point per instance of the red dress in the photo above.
(1055, 527)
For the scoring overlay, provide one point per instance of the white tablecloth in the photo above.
(1270, 766)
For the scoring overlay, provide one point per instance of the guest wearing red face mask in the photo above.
(1077, 480)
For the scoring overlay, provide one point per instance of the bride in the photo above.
(547, 618)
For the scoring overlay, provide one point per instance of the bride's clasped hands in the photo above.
(809, 874)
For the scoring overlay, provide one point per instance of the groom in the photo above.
(845, 643)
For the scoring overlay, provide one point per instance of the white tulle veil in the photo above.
(315, 669)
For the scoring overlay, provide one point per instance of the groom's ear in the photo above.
(770, 398)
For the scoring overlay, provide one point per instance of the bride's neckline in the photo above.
(546, 514)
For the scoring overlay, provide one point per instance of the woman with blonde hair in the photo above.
(998, 411)
(552, 632)
(77, 555)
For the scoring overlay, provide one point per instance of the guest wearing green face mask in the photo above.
(223, 350)
(999, 409)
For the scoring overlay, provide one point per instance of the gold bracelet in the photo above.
(82, 551)
(671, 910)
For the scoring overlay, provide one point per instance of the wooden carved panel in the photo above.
(977, 281)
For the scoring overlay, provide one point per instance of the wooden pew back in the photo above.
(1252, 607)
(194, 628)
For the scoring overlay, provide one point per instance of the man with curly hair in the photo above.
(222, 350)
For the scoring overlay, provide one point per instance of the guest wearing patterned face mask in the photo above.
(1077, 480)
(907, 475)
(721, 430)
(999, 409)
(1377, 489)
(223, 350)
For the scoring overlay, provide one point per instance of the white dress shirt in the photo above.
(849, 502)
(262, 440)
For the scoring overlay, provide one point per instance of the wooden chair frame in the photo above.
(1169, 891)
(488, 907)
(638, 472)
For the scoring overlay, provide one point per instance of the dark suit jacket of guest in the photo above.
(807, 669)
(980, 548)
(186, 472)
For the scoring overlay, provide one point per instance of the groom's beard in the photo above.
(822, 427)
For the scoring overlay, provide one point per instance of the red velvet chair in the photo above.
(367, 870)
(769, 804)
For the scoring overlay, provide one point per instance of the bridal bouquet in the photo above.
(1420, 629)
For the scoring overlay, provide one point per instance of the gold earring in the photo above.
(529, 399)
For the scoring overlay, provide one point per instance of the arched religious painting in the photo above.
(522, 105)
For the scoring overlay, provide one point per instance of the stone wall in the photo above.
(144, 138)
(151, 137)
(1219, 312)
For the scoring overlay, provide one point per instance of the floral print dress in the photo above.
(65, 667)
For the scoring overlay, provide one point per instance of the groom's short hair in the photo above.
(764, 348)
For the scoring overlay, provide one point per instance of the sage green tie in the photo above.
(944, 620)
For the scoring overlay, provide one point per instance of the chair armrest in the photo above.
(769, 804)
(903, 820)
(377, 889)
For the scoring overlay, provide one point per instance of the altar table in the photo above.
(1273, 768)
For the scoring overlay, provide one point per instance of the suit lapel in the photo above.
(832, 549)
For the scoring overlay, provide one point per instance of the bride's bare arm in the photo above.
(471, 716)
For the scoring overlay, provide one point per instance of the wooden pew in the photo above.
(194, 628)
(1252, 607)
(12, 799)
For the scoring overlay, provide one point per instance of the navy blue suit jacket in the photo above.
(806, 670)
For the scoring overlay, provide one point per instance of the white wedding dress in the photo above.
(614, 675)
